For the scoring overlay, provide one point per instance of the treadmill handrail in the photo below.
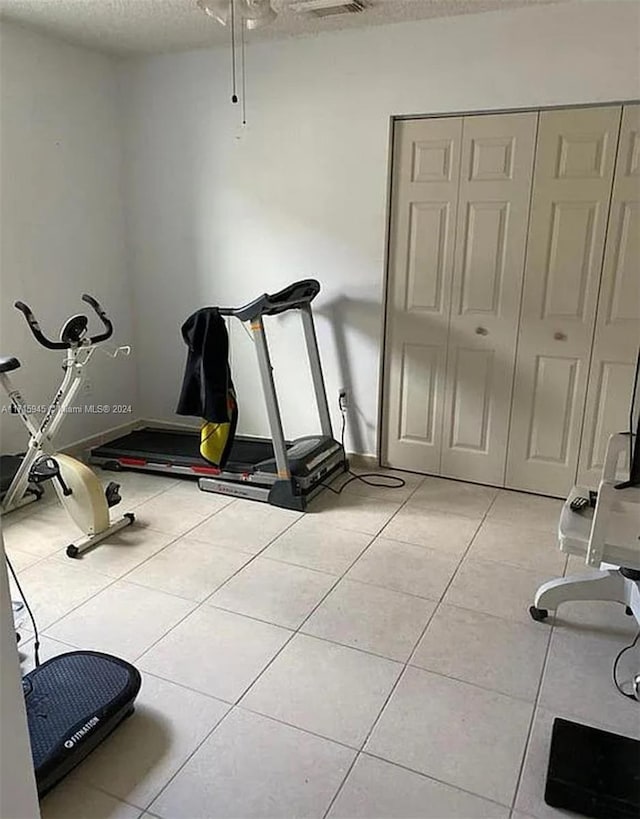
(294, 297)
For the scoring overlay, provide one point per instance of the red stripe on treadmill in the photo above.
(132, 461)
(205, 470)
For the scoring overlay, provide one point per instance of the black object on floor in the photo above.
(73, 702)
(593, 772)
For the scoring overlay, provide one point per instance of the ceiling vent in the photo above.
(328, 8)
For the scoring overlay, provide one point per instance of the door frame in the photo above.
(383, 363)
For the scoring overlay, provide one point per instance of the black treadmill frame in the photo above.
(281, 487)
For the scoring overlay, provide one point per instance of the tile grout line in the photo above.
(113, 580)
(534, 712)
(181, 766)
(150, 557)
(217, 724)
(339, 578)
(58, 551)
(101, 790)
(333, 642)
(400, 675)
(198, 606)
(534, 704)
(308, 731)
(359, 649)
(448, 585)
(164, 787)
(433, 778)
(31, 565)
(263, 556)
(237, 703)
(186, 533)
(125, 575)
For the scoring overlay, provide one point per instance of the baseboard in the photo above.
(78, 449)
(358, 461)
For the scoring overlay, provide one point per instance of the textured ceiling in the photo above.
(152, 26)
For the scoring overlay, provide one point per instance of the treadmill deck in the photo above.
(181, 448)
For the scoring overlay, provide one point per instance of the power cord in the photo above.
(383, 481)
(36, 642)
(636, 379)
(614, 672)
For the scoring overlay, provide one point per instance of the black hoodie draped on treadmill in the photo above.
(207, 389)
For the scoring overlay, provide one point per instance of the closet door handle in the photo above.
(482, 331)
(559, 336)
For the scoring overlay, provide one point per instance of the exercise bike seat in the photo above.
(8, 363)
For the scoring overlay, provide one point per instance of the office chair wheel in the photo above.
(72, 551)
(538, 614)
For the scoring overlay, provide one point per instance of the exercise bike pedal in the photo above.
(112, 494)
(538, 614)
(44, 469)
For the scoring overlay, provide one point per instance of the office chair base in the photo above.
(607, 584)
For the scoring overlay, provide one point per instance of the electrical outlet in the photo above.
(343, 398)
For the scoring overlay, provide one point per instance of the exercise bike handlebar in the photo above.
(35, 328)
(104, 318)
(49, 343)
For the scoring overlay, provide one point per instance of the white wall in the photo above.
(61, 216)
(18, 797)
(217, 215)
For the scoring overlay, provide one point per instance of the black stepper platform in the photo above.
(593, 772)
(183, 448)
(9, 465)
(73, 702)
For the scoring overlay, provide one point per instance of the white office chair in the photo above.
(607, 536)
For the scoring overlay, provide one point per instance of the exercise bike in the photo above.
(76, 485)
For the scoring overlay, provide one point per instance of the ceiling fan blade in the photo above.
(257, 13)
(218, 9)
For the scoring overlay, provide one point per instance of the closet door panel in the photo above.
(426, 166)
(618, 319)
(493, 213)
(573, 174)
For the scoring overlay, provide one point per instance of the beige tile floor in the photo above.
(372, 658)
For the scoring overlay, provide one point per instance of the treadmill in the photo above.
(283, 473)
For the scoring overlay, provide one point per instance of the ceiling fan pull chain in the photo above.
(244, 75)
(234, 95)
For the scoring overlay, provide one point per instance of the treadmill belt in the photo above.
(184, 448)
(159, 442)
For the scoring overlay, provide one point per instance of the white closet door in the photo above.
(493, 216)
(618, 320)
(572, 189)
(423, 219)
